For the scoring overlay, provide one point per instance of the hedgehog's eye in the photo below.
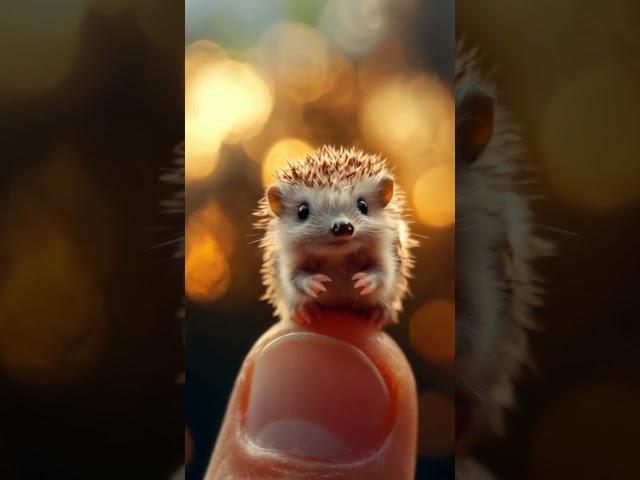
(303, 211)
(362, 206)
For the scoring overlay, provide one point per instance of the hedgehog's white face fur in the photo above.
(335, 236)
(495, 244)
(327, 209)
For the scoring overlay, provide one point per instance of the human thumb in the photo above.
(334, 400)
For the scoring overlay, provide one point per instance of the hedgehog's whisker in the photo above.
(169, 242)
(420, 236)
(556, 229)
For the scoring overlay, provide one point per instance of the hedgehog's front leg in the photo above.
(310, 285)
(371, 283)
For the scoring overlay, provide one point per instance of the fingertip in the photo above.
(364, 428)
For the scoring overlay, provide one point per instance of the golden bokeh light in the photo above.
(436, 429)
(434, 196)
(225, 102)
(206, 270)
(211, 221)
(201, 153)
(406, 116)
(229, 98)
(200, 53)
(298, 59)
(590, 142)
(279, 154)
(432, 332)
(598, 423)
(209, 241)
(411, 121)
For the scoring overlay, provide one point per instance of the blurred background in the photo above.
(266, 81)
(569, 72)
(92, 102)
(91, 106)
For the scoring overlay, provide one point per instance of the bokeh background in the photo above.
(91, 106)
(266, 81)
(569, 72)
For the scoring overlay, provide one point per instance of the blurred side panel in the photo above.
(91, 108)
(567, 74)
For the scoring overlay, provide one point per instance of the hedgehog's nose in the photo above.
(342, 229)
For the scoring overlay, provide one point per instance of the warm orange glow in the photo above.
(206, 270)
(436, 430)
(278, 155)
(591, 143)
(225, 101)
(201, 153)
(411, 121)
(297, 57)
(432, 331)
(231, 98)
(210, 221)
(434, 196)
(209, 241)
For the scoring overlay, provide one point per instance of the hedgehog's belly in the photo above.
(340, 291)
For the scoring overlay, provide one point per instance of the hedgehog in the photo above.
(496, 245)
(336, 237)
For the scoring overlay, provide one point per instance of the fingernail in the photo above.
(316, 396)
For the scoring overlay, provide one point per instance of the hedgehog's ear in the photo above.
(474, 126)
(274, 197)
(385, 190)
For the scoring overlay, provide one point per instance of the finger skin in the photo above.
(236, 457)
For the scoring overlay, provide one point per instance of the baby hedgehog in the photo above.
(336, 238)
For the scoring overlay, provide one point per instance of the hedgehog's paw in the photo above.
(313, 285)
(369, 282)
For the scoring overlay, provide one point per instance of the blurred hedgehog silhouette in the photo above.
(175, 206)
(497, 242)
